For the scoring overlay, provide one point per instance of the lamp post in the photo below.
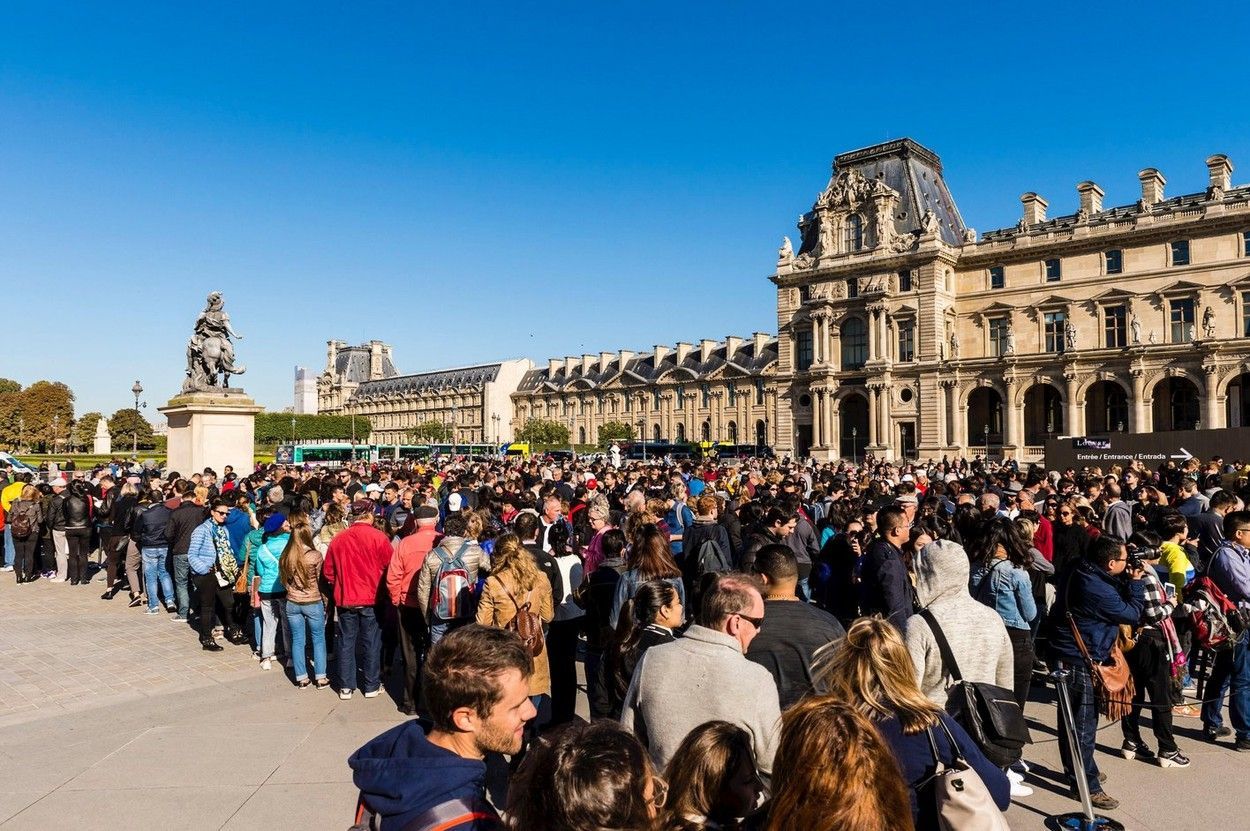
(292, 428)
(642, 437)
(136, 390)
(351, 406)
(495, 419)
(854, 452)
(56, 431)
(453, 429)
(21, 432)
(987, 441)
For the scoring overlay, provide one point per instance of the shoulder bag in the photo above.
(963, 801)
(1113, 682)
(988, 712)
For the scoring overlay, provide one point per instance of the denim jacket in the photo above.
(1009, 592)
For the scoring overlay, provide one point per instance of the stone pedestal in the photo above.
(102, 444)
(211, 429)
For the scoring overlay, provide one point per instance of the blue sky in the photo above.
(471, 182)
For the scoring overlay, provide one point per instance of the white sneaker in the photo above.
(56, 580)
(1016, 778)
(6, 568)
(1020, 790)
(345, 695)
(265, 664)
(373, 694)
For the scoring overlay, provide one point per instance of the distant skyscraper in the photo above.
(305, 392)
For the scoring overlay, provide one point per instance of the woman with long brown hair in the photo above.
(712, 780)
(648, 559)
(833, 772)
(299, 569)
(871, 671)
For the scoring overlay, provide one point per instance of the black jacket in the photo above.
(884, 586)
(76, 512)
(55, 512)
(182, 522)
(148, 523)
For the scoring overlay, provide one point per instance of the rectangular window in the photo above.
(655, 399)
(904, 280)
(996, 277)
(805, 293)
(1115, 261)
(759, 390)
(1245, 243)
(803, 349)
(1245, 314)
(629, 402)
(680, 398)
(999, 326)
(731, 393)
(1182, 318)
(1054, 324)
(852, 287)
(1115, 321)
(1053, 272)
(1180, 252)
(907, 341)
(705, 391)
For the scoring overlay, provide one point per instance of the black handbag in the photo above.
(989, 713)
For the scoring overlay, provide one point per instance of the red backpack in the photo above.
(1217, 621)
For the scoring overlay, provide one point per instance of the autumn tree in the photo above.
(84, 430)
(47, 407)
(126, 425)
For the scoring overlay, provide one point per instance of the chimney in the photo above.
(375, 360)
(1152, 183)
(683, 352)
(569, 363)
(1220, 171)
(605, 359)
(553, 366)
(760, 340)
(732, 345)
(1034, 208)
(705, 349)
(660, 352)
(625, 356)
(587, 362)
(1091, 197)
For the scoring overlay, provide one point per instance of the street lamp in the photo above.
(292, 428)
(854, 453)
(56, 431)
(453, 428)
(987, 441)
(642, 437)
(137, 390)
(351, 406)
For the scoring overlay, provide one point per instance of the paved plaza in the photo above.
(113, 720)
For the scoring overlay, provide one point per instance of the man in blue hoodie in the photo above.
(427, 774)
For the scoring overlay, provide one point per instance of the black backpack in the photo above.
(712, 556)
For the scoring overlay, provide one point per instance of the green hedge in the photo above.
(275, 428)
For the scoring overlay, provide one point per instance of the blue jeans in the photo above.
(154, 572)
(10, 550)
(357, 632)
(314, 616)
(440, 628)
(1231, 672)
(182, 573)
(1085, 721)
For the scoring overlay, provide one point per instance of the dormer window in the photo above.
(854, 233)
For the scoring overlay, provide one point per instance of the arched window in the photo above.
(854, 233)
(705, 432)
(732, 430)
(681, 433)
(854, 343)
(655, 432)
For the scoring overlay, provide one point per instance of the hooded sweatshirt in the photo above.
(401, 775)
(977, 635)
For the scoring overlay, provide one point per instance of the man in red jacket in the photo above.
(401, 583)
(353, 566)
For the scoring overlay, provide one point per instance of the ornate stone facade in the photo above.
(474, 399)
(902, 333)
(715, 391)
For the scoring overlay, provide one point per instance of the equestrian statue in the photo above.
(210, 353)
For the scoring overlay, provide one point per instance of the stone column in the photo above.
(886, 433)
(1214, 415)
(817, 396)
(1141, 417)
(835, 430)
(873, 392)
(1010, 411)
(1074, 412)
(872, 335)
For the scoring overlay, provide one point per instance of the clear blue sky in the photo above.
(471, 182)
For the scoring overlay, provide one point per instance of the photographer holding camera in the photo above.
(1150, 659)
(1229, 569)
(1096, 594)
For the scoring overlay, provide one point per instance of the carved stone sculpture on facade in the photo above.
(1010, 348)
(1069, 336)
(210, 352)
(786, 252)
(1135, 327)
(1208, 324)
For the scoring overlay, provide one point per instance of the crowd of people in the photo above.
(769, 644)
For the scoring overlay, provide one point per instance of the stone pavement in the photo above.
(112, 720)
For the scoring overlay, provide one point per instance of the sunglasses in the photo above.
(757, 622)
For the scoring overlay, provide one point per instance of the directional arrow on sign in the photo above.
(1184, 454)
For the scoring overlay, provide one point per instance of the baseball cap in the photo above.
(373, 487)
(362, 506)
(455, 502)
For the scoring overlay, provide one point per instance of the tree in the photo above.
(8, 385)
(275, 428)
(543, 431)
(11, 432)
(84, 430)
(432, 432)
(48, 410)
(614, 431)
(128, 424)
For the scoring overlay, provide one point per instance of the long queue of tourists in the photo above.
(771, 644)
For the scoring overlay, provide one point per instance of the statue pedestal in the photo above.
(211, 429)
(102, 444)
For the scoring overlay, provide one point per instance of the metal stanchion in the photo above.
(1086, 819)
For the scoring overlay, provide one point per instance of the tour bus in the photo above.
(658, 450)
(329, 454)
(517, 448)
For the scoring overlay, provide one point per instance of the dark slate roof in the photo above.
(1060, 223)
(642, 369)
(916, 173)
(469, 376)
(353, 361)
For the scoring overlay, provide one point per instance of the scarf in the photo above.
(227, 566)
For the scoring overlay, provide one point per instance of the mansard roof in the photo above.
(642, 368)
(440, 379)
(352, 364)
(915, 172)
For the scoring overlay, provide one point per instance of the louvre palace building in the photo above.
(903, 333)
